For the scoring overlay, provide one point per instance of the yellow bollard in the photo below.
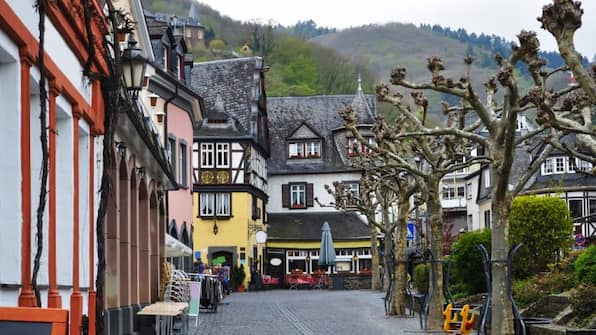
(448, 319)
(467, 325)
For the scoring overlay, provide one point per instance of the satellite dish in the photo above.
(261, 236)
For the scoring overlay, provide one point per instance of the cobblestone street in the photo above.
(304, 313)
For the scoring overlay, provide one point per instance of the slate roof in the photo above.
(567, 181)
(231, 87)
(521, 161)
(320, 113)
(307, 226)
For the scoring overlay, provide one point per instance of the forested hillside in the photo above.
(305, 59)
(296, 67)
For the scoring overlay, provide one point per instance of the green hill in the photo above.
(330, 63)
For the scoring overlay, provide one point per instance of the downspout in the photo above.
(165, 126)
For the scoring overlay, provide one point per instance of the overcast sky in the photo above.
(500, 17)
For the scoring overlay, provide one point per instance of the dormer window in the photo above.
(304, 149)
(355, 147)
(564, 164)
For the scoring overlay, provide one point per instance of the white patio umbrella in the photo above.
(327, 252)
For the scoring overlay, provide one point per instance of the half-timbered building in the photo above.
(229, 157)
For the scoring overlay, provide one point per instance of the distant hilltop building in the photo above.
(190, 28)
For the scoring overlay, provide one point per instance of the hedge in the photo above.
(544, 226)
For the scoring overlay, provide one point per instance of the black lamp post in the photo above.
(133, 67)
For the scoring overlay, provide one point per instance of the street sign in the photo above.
(411, 231)
(580, 239)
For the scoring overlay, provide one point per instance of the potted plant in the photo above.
(238, 276)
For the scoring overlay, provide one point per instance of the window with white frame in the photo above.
(223, 155)
(206, 204)
(487, 218)
(298, 196)
(581, 165)
(222, 202)
(172, 152)
(487, 178)
(469, 191)
(460, 160)
(560, 166)
(355, 147)
(183, 176)
(352, 191)
(547, 166)
(450, 192)
(214, 204)
(313, 149)
(207, 155)
(304, 149)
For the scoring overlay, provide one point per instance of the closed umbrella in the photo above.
(327, 252)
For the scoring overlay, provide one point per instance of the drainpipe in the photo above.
(165, 112)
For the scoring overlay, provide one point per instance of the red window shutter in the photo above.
(309, 195)
(285, 196)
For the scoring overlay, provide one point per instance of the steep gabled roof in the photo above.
(234, 87)
(321, 113)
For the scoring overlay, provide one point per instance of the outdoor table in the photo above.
(164, 313)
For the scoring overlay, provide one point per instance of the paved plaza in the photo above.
(304, 312)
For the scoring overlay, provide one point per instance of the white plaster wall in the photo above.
(471, 205)
(98, 150)
(318, 180)
(10, 179)
(64, 193)
(83, 203)
(55, 45)
(9, 296)
(42, 277)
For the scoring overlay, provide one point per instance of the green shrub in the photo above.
(525, 292)
(585, 266)
(544, 226)
(421, 278)
(529, 290)
(467, 273)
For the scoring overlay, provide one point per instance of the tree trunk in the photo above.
(435, 314)
(387, 248)
(387, 263)
(398, 301)
(502, 314)
(375, 273)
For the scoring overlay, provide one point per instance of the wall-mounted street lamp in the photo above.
(133, 67)
(215, 229)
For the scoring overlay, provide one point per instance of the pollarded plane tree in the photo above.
(559, 114)
(405, 147)
(380, 190)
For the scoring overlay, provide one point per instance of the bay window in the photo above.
(215, 155)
